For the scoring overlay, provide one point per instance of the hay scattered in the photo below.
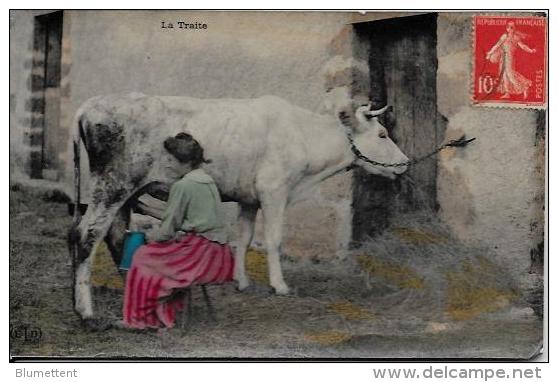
(439, 275)
(310, 322)
(467, 299)
(327, 337)
(104, 272)
(415, 236)
(256, 266)
(422, 268)
(350, 311)
(397, 274)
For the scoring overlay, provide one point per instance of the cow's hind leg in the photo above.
(247, 219)
(91, 230)
(273, 208)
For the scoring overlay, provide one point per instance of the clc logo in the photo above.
(25, 333)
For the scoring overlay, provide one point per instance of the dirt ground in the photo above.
(360, 307)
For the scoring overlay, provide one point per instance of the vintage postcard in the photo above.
(195, 185)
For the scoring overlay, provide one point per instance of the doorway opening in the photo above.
(403, 64)
(45, 103)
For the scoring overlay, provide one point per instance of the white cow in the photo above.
(264, 152)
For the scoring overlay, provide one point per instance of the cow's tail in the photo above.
(78, 135)
(74, 234)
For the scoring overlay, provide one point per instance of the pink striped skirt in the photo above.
(160, 268)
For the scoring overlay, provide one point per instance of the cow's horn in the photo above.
(375, 113)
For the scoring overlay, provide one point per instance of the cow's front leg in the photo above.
(86, 238)
(247, 219)
(273, 208)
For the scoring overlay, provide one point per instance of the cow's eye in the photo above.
(382, 134)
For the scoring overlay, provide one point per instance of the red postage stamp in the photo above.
(509, 62)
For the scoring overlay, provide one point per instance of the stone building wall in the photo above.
(22, 126)
(491, 193)
(239, 55)
(27, 98)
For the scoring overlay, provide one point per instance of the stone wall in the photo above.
(492, 192)
(24, 125)
(239, 55)
(27, 98)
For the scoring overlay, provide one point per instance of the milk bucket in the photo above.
(132, 242)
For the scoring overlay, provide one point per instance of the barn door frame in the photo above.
(45, 99)
(402, 60)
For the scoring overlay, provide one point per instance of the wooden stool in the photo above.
(186, 316)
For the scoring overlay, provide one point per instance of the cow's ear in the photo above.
(347, 119)
(362, 118)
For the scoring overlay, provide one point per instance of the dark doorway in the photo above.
(403, 64)
(46, 93)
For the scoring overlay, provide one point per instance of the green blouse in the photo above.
(193, 206)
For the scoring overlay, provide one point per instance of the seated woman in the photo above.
(189, 249)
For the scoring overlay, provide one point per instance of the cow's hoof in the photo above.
(96, 324)
(281, 289)
(243, 283)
